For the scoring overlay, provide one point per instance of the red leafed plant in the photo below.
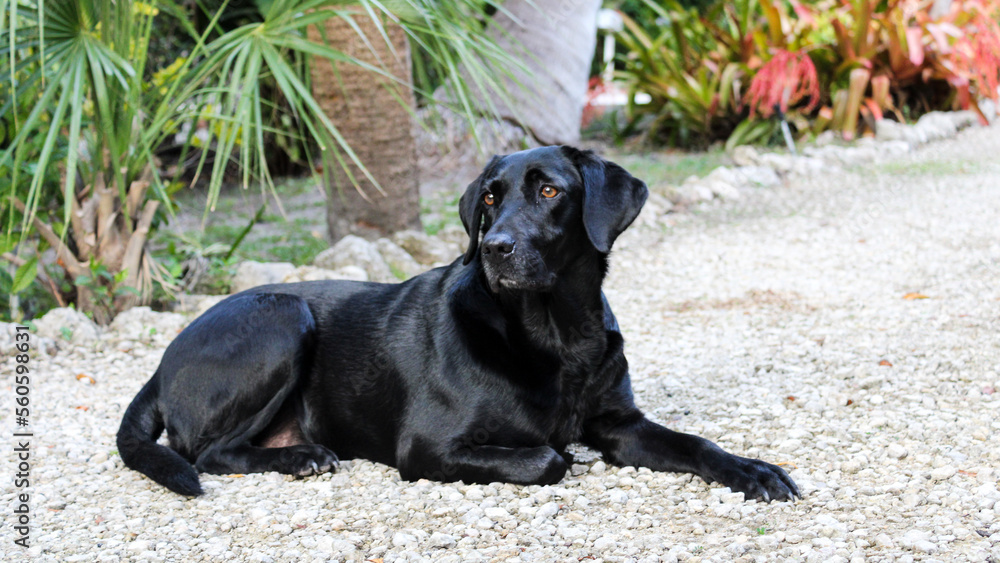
(976, 55)
(782, 82)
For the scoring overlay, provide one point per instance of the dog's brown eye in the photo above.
(549, 192)
(488, 199)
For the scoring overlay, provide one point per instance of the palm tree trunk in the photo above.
(366, 109)
(556, 40)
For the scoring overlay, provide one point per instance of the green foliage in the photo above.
(858, 60)
(183, 252)
(439, 210)
(24, 275)
(691, 66)
(105, 286)
(33, 300)
(92, 96)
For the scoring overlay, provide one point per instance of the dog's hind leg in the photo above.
(281, 447)
(301, 460)
(227, 377)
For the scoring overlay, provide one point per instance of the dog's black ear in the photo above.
(470, 209)
(612, 197)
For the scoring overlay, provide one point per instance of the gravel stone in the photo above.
(67, 325)
(944, 472)
(251, 274)
(895, 451)
(774, 324)
(355, 251)
(398, 259)
(430, 250)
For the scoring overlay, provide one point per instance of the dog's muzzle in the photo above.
(511, 267)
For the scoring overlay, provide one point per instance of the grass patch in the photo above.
(399, 274)
(296, 246)
(670, 167)
(928, 168)
(440, 210)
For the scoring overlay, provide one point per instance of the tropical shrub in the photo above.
(85, 117)
(858, 61)
(691, 67)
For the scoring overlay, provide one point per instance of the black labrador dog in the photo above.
(481, 371)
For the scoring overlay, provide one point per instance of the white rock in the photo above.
(915, 136)
(896, 451)
(571, 532)
(497, 514)
(617, 496)
(547, 510)
(889, 130)
(894, 148)
(990, 109)
(142, 323)
(259, 513)
(745, 155)
(944, 472)
(723, 190)
(911, 537)
(441, 540)
(403, 539)
(196, 303)
(343, 547)
(605, 543)
(936, 125)
(455, 236)
(403, 265)
(355, 251)
(826, 137)
(851, 466)
(426, 249)
(779, 162)
(883, 540)
(732, 498)
(694, 193)
(657, 205)
(854, 156)
(303, 517)
(65, 324)
(724, 174)
(312, 273)
(352, 273)
(964, 118)
(325, 543)
(807, 165)
(830, 527)
(757, 176)
(252, 274)
(7, 338)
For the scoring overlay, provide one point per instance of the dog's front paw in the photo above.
(306, 459)
(752, 477)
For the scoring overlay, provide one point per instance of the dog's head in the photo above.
(539, 210)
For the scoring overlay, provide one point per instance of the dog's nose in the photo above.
(498, 245)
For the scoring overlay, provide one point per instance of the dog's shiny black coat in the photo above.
(481, 371)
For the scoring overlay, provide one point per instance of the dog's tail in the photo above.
(141, 426)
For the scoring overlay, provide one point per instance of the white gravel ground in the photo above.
(775, 324)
